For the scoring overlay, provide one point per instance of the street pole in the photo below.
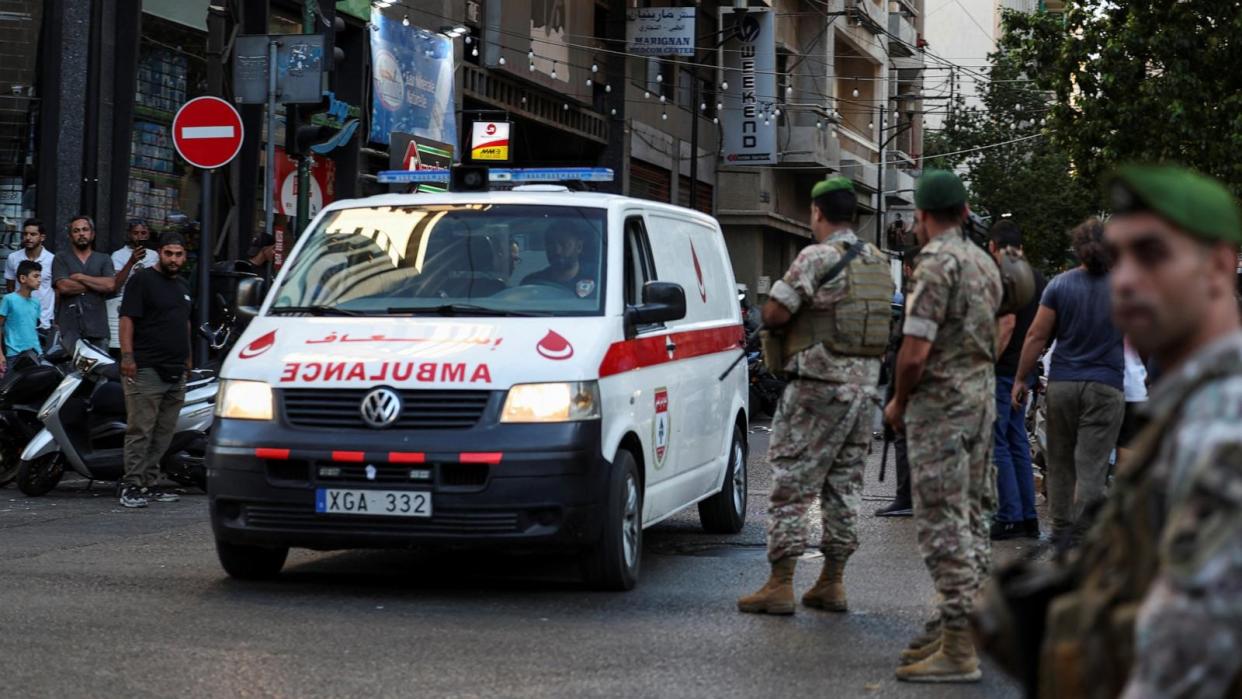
(206, 245)
(309, 8)
(269, 210)
(879, 189)
(694, 129)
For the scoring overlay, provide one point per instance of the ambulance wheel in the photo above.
(613, 562)
(725, 512)
(251, 562)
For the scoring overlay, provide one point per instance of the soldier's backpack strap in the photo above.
(850, 253)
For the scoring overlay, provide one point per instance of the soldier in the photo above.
(1151, 606)
(833, 308)
(944, 402)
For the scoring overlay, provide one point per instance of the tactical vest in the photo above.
(1088, 647)
(857, 325)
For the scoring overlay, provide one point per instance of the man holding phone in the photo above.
(137, 253)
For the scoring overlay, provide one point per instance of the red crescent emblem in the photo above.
(554, 346)
(260, 345)
(698, 272)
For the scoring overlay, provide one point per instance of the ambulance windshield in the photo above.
(463, 260)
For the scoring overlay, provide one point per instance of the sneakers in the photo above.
(132, 496)
(162, 495)
(1003, 531)
(895, 509)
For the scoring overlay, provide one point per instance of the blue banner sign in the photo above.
(533, 174)
(412, 83)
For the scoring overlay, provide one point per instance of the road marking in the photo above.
(190, 132)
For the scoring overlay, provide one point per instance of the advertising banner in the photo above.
(322, 184)
(413, 82)
(489, 140)
(660, 31)
(748, 66)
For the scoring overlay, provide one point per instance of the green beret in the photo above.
(1198, 204)
(939, 189)
(831, 184)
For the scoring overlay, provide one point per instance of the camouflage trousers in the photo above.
(820, 436)
(953, 481)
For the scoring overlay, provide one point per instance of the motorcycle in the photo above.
(765, 388)
(84, 428)
(27, 384)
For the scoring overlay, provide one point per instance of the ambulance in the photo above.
(531, 369)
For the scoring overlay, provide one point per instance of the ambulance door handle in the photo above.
(670, 345)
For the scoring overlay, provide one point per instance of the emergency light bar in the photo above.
(531, 174)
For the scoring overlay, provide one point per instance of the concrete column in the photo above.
(64, 53)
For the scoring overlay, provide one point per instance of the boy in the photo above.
(19, 313)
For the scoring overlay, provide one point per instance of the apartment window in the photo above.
(660, 77)
(783, 82)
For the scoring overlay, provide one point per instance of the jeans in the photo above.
(1084, 418)
(1015, 483)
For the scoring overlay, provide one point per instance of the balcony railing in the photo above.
(903, 39)
(811, 146)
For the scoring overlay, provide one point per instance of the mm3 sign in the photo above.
(489, 141)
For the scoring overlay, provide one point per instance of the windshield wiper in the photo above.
(453, 309)
(312, 310)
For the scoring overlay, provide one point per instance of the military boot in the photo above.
(931, 632)
(776, 596)
(955, 661)
(917, 653)
(829, 591)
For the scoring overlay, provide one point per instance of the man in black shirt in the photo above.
(564, 251)
(155, 357)
(1015, 483)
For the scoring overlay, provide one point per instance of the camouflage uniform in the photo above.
(957, 291)
(1157, 608)
(821, 430)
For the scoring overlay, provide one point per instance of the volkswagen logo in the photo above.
(380, 408)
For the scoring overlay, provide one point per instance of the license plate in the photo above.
(384, 503)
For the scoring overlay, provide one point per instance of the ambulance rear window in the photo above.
(463, 260)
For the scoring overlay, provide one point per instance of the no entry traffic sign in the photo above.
(207, 132)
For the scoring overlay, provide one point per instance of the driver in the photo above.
(564, 251)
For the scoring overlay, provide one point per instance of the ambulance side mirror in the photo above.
(250, 293)
(662, 302)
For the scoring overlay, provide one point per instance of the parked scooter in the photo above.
(84, 428)
(765, 388)
(29, 381)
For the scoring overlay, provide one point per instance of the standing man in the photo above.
(833, 305)
(944, 401)
(83, 279)
(33, 237)
(1086, 402)
(1152, 607)
(1011, 448)
(155, 357)
(902, 504)
(135, 255)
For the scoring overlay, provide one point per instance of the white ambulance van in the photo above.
(538, 368)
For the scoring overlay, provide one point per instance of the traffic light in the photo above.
(299, 136)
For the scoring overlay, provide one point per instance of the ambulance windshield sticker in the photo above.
(554, 346)
(260, 345)
(698, 272)
(660, 427)
(585, 287)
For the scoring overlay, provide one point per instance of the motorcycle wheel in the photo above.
(10, 458)
(188, 466)
(39, 476)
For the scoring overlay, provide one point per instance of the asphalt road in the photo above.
(99, 601)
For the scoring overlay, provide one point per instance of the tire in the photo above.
(725, 512)
(188, 465)
(10, 460)
(39, 476)
(251, 562)
(613, 562)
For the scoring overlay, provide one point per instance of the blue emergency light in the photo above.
(511, 175)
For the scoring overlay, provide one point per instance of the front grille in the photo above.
(420, 409)
(445, 522)
(332, 472)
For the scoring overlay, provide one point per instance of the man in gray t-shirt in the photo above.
(83, 280)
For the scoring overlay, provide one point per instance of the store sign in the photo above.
(748, 59)
(489, 140)
(660, 31)
(322, 184)
(409, 153)
(412, 87)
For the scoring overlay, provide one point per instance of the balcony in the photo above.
(903, 38)
(863, 173)
(868, 13)
(811, 146)
(898, 187)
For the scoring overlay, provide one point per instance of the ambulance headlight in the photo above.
(244, 400)
(552, 402)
